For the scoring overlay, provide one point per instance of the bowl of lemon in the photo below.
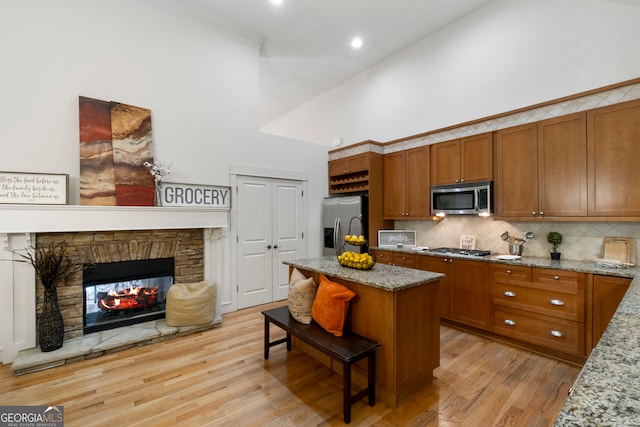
(354, 240)
(355, 260)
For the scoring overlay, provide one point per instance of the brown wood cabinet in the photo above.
(613, 133)
(406, 323)
(422, 262)
(550, 332)
(469, 293)
(516, 186)
(562, 166)
(406, 184)
(405, 260)
(608, 291)
(383, 257)
(352, 164)
(541, 169)
(438, 265)
(469, 159)
(400, 259)
(349, 174)
(362, 173)
(557, 311)
(541, 306)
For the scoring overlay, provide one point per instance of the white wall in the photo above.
(507, 55)
(201, 86)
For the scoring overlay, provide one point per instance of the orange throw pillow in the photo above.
(331, 305)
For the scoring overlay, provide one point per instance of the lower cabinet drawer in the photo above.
(405, 260)
(554, 333)
(567, 305)
(383, 257)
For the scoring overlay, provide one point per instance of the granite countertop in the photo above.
(607, 391)
(568, 265)
(387, 277)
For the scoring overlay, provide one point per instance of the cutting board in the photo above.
(620, 248)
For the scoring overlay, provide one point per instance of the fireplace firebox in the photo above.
(124, 293)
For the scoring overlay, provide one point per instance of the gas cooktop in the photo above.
(457, 251)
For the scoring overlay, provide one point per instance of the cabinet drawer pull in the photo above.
(555, 333)
(508, 271)
(556, 277)
(509, 294)
(510, 322)
(558, 302)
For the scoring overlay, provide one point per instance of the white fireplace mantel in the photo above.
(20, 223)
(54, 218)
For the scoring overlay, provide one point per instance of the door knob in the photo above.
(275, 246)
(269, 247)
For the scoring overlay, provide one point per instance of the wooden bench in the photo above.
(346, 349)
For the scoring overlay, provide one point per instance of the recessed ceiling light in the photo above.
(356, 43)
(276, 2)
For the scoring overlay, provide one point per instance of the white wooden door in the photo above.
(288, 231)
(254, 236)
(270, 230)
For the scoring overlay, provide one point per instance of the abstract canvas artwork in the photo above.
(131, 138)
(97, 185)
(115, 142)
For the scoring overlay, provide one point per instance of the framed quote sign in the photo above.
(34, 188)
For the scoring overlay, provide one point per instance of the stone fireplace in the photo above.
(193, 237)
(105, 248)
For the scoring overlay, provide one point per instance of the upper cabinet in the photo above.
(516, 186)
(541, 169)
(406, 184)
(577, 167)
(349, 174)
(468, 159)
(357, 163)
(613, 141)
(562, 166)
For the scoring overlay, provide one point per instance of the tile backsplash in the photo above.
(581, 240)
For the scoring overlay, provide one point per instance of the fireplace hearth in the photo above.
(125, 293)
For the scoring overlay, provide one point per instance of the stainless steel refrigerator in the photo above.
(337, 219)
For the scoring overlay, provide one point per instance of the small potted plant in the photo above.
(555, 239)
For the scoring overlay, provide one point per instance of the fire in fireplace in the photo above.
(125, 293)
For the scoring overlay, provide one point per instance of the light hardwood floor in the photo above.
(219, 378)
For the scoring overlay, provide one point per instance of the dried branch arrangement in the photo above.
(51, 263)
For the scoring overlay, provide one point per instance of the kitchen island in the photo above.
(395, 306)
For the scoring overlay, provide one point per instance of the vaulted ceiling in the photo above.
(305, 44)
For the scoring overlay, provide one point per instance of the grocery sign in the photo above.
(194, 195)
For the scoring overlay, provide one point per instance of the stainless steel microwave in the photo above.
(462, 199)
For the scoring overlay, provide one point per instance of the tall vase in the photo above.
(51, 325)
(158, 192)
